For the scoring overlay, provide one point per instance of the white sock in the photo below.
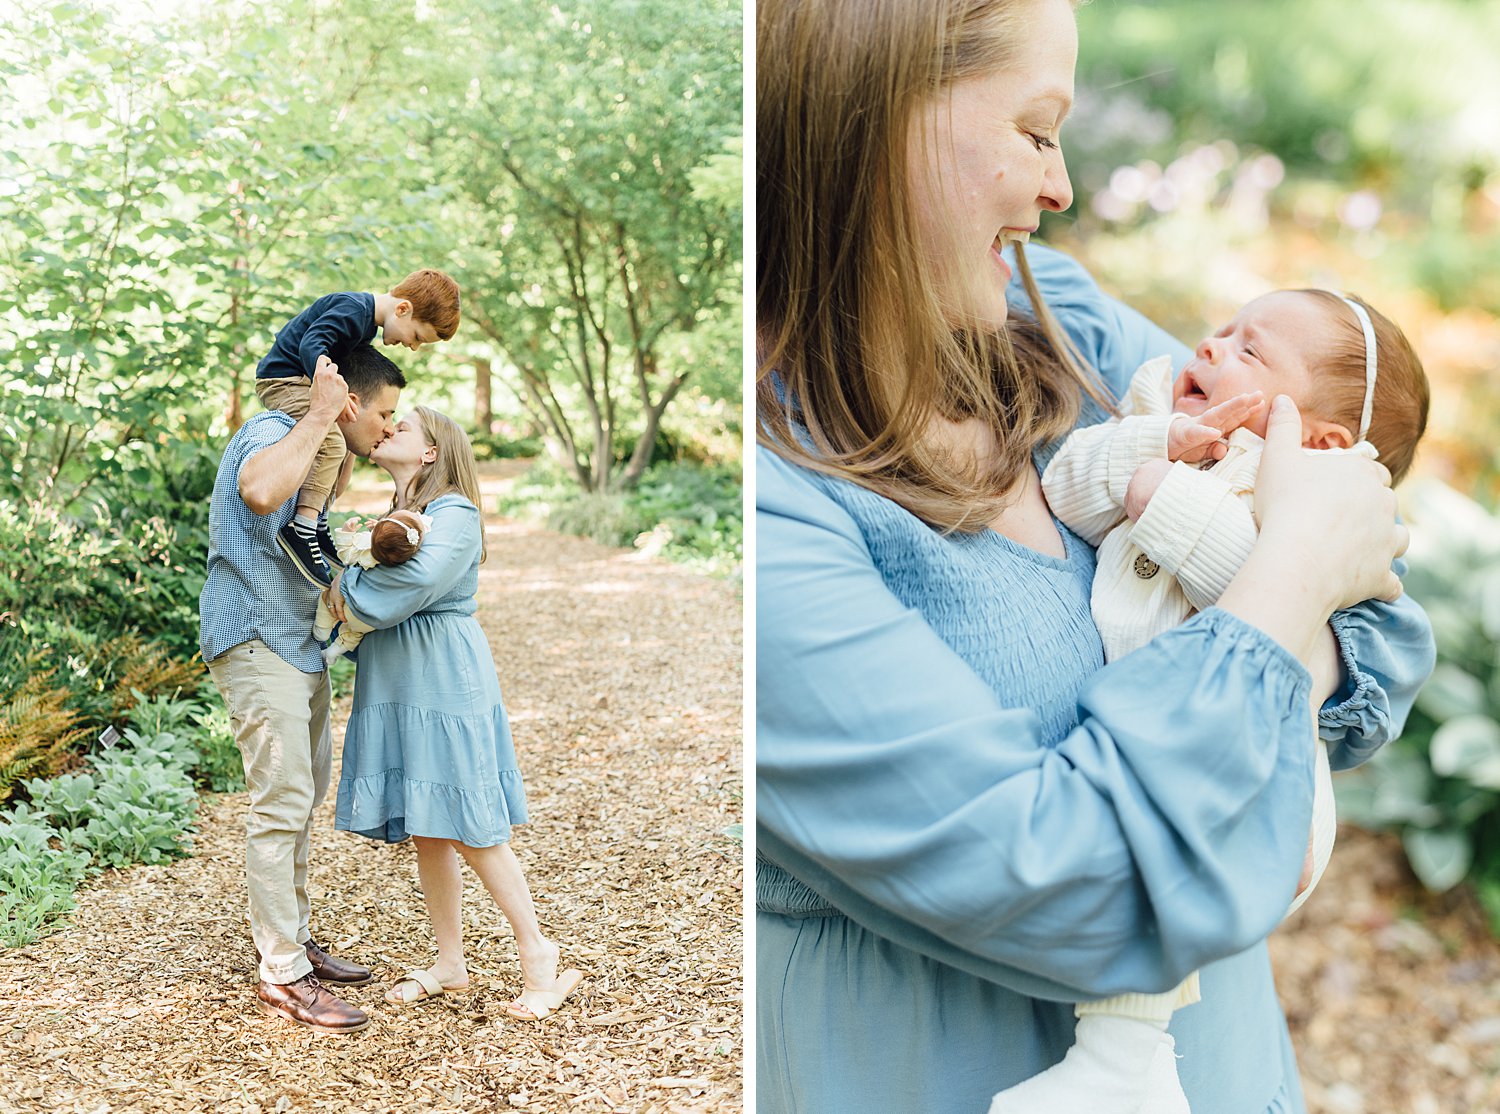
(1105, 1072)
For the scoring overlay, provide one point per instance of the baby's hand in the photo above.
(1143, 485)
(1199, 439)
(353, 524)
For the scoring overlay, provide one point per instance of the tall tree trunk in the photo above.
(235, 415)
(640, 459)
(484, 417)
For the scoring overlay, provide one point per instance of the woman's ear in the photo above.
(1318, 434)
(429, 454)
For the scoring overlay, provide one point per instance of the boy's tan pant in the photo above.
(293, 396)
(280, 720)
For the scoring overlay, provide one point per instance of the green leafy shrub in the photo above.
(134, 806)
(165, 747)
(1439, 784)
(144, 806)
(193, 732)
(55, 678)
(106, 571)
(497, 446)
(104, 672)
(696, 511)
(164, 712)
(37, 878)
(688, 513)
(69, 801)
(607, 518)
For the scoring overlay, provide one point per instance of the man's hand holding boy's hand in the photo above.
(1200, 438)
(330, 394)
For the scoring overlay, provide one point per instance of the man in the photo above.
(256, 636)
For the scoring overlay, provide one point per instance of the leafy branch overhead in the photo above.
(594, 253)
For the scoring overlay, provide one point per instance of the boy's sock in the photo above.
(1107, 1071)
(307, 527)
(326, 547)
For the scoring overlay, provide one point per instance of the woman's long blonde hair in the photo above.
(452, 471)
(859, 363)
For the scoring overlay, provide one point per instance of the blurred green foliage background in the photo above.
(1219, 151)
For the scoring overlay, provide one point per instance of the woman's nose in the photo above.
(1057, 189)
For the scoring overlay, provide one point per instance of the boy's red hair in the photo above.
(434, 299)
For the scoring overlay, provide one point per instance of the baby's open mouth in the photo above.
(1189, 397)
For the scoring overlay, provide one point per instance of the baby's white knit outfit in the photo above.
(353, 548)
(1177, 558)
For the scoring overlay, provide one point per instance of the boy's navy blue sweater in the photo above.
(335, 324)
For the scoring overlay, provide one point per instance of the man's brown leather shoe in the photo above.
(308, 1003)
(331, 969)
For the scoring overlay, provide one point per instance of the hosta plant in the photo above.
(1439, 784)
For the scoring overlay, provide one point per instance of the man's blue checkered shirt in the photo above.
(253, 590)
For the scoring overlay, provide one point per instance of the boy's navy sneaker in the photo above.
(326, 547)
(305, 557)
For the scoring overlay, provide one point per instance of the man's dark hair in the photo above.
(366, 371)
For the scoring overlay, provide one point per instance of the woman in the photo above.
(428, 752)
(965, 822)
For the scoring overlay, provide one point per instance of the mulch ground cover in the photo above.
(1393, 994)
(622, 678)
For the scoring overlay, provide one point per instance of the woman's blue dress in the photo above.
(428, 750)
(966, 821)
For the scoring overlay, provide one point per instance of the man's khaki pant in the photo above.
(280, 720)
(294, 396)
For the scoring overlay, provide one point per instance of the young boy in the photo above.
(422, 308)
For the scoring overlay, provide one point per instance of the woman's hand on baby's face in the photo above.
(1331, 516)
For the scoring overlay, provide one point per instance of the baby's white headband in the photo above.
(412, 536)
(1370, 363)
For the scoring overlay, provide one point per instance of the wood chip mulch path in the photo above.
(1392, 994)
(622, 678)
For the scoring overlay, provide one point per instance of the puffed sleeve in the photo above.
(1387, 648)
(389, 594)
(1388, 653)
(900, 787)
